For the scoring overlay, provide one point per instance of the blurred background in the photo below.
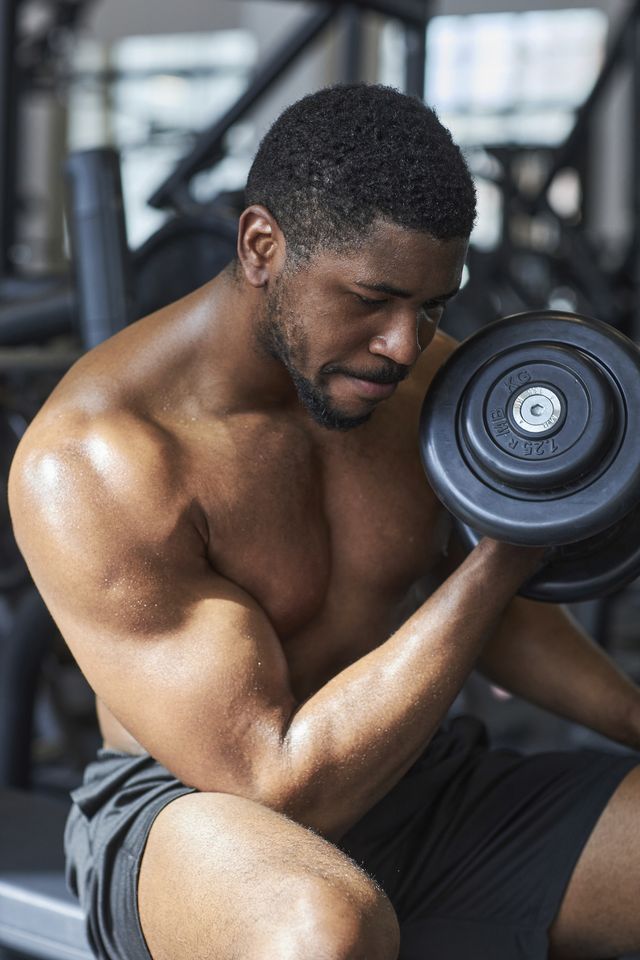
(126, 132)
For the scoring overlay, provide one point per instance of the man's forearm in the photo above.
(540, 653)
(351, 742)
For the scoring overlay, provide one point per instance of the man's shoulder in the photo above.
(75, 457)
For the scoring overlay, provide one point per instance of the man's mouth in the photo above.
(371, 390)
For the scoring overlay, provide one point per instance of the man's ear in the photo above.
(261, 246)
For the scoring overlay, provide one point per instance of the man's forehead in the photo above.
(399, 264)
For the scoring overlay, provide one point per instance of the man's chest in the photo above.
(323, 536)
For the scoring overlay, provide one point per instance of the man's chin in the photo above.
(344, 423)
(323, 411)
(332, 419)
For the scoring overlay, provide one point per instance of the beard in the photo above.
(281, 335)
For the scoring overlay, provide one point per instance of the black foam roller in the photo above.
(99, 244)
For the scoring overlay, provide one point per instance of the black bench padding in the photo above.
(38, 915)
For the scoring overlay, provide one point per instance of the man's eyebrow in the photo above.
(403, 294)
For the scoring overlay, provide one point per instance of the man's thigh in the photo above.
(481, 869)
(224, 878)
(599, 915)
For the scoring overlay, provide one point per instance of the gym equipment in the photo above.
(209, 146)
(115, 286)
(530, 434)
(99, 241)
(545, 258)
(22, 652)
(38, 915)
(13, 570)
(183, 254)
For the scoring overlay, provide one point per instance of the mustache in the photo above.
(390, 372)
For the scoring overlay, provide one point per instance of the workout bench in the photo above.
(38, 915)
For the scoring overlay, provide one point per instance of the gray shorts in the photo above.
(474, 847)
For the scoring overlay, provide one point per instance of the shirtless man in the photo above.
(224, 509)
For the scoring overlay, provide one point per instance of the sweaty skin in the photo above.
(236, 581)
(244, 589)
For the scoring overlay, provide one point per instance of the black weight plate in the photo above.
(500, 511)
(565, 455)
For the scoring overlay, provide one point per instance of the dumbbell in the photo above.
(530, 434)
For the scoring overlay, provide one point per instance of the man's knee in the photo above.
(254, 885)
(330, 920)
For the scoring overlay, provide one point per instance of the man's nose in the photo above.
(400, 339)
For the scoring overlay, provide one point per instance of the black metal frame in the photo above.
(20, 65)
(619, 51)
(209, 146)
(353, 48)
(207, 151)
(8, 130)
(612, 295)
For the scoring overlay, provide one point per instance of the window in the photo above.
(148, 97)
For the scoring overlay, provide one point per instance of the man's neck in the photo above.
(232, 370)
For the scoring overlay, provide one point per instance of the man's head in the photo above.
(359, 187)
(341, 158)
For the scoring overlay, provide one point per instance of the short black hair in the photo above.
(338, 159)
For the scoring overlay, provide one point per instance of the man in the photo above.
(224, 509)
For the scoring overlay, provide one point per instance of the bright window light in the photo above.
(513, 77)
(149, 96)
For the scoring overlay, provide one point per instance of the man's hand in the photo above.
(525, 560)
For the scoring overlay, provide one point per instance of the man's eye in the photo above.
(368, 301)
(433, 311)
